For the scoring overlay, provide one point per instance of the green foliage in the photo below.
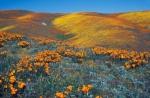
(63, 36)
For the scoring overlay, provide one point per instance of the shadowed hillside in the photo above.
(29, 23)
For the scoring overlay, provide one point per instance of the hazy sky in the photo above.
(104, 6)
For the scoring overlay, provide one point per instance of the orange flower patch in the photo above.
(12, 79)
(47, 56)
(23, 44)
(86, 88)
(21, 85)
(133, 58)
(60, 95)
(98, 97)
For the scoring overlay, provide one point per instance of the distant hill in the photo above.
(29, 23)
(124, 30)
(87, 29)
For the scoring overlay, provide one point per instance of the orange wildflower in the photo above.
(41, 97)
(69, 88)
(60, 95)
(13, 91)
(86, 88)
(98, 97)
(1, 81)
(23, 43)
(12, 79)
(21, 85)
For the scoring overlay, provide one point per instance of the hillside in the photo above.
(140, 18)
(74, 55)
(29, 23)
(87, 29)
(53, 69)
(113, 31)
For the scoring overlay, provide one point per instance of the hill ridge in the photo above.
(129, 30)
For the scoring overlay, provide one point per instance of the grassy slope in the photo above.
(7, 28)
(123, 30)
(141, 18)
(29, 23)
(96, 29)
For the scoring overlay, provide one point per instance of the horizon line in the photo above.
(117, 12)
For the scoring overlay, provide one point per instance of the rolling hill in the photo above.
(27, 22)
(87, 29)
(112, 31)
(37, 59)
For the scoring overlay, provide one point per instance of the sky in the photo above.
(65, 6)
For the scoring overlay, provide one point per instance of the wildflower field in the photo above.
(31, 68)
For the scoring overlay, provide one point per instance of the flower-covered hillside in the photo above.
(56, 69)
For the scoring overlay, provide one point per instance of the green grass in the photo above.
(63, 36)
(7, 28)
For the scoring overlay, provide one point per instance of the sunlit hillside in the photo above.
(140, 18)
(92, 29)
